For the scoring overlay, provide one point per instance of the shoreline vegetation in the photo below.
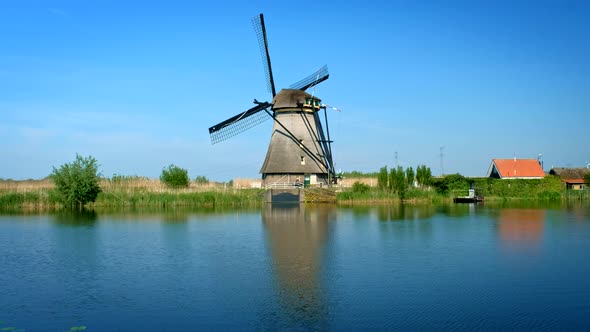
(137, 192)
(129, 191)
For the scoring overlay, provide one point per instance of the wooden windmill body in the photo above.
(295, 150)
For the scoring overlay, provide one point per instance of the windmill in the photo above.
(299, 149)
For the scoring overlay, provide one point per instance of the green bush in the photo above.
(450, 183)
(549, 195)
(120, 179)
(361, 188)
(549, 187)
(174, 176)
(358, 174)
(77, 182)
(200, 179)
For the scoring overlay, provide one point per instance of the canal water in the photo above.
(292, 267)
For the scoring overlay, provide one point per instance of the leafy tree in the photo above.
(410, 176)
(77, 182)
(587, 178)
(382, 178)
(420, 175)
(397, 181)
(200, 179)
(391, 184)
(423, 176)
(174, 176)
(427, 176)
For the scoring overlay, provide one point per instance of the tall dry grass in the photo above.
(128, 191)
(130, 184)
(25, 185)
(348, 182)
(240, 183)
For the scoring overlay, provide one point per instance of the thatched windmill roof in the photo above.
(290, 98)
(569, 173)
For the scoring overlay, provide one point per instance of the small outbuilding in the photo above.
(572, 177)
(515, 169)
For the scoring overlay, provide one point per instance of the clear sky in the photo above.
(136, 84)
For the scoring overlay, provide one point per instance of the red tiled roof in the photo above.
(574, 181)
(518, 168)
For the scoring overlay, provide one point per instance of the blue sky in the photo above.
(136, 84)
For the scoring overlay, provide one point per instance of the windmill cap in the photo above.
(289, 98)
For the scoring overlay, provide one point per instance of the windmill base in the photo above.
(288, 195)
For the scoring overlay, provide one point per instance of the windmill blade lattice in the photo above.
(258, 23)
(311, 80)
(239, 123)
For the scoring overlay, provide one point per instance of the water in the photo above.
(460, 267)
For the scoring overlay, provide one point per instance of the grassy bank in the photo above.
(47, 198)
(245, 197)
(129, 192)
(143, 192)
(443, 190)
(432, 197)
(374, 195)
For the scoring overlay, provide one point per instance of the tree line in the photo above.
(77, 183)
(398, 180)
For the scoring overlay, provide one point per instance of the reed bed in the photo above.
(131, 191)
(578, 195)
(26, 185)
(136, 191)
(181, 197)
(135, 183)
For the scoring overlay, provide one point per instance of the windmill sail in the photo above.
(239, 123)
(311, 80)
(258, 23)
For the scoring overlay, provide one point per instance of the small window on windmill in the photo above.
(307, 102)
(302, 160)
(301, 143)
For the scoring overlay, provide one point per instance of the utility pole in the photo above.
(396, 163)
(442, 167)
